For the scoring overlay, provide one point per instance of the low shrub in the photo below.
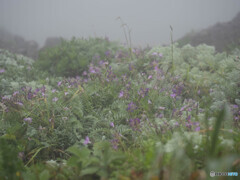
(71, 58)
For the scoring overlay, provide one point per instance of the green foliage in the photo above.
(18, 71)
(71, 58)
(99, 162)
(122, 119)
(11, 166)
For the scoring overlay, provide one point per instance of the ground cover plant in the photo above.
(163, 113)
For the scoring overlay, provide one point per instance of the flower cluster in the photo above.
(131, 107)
(28, 120)
(143, 92)
(135, 123)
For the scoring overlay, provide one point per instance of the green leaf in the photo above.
(215, 133)
(81, 153)
(73, 161)
(44, 175)
(90, 170)
(37, 151)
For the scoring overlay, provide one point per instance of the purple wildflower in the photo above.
(162, 90)
(119, 54)
(131, 107)
(189, 109)
(28, 119)
(130, 67)
(30, 95)
(235, 106)
(160, 115)
(174, 90)
(66, 93)
(173, 111)
(84, 73)
(92, 70)
(43, 89)
(19, 103)
(154, 53)
(188, 125)
(2, 71)
(112, 124)
(55, 99)
(115, 143)
(182, 108)
(121, 94)
(54, 90)
(178, 89)
(37, 90)
(15, 93)
(161, 108)
(197, 128)
(23, 88)
(196, 123)
(143, 92)
(108, 53)
(173, 95)
(128, 85)
(135, 123)
(188, 118)
(5, 98)
(101, 62)
(150, 77)
(157, 54)
(59, 83)
(87, 141)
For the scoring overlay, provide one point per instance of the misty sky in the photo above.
(149, 20)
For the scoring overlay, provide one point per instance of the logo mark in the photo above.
(212, 173)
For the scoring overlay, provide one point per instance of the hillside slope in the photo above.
(224, 36)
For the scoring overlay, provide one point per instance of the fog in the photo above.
(149, 20)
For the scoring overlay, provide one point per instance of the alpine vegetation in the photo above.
(93, 109)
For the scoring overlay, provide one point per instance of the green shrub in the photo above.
(16, 71)
(71, 58)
